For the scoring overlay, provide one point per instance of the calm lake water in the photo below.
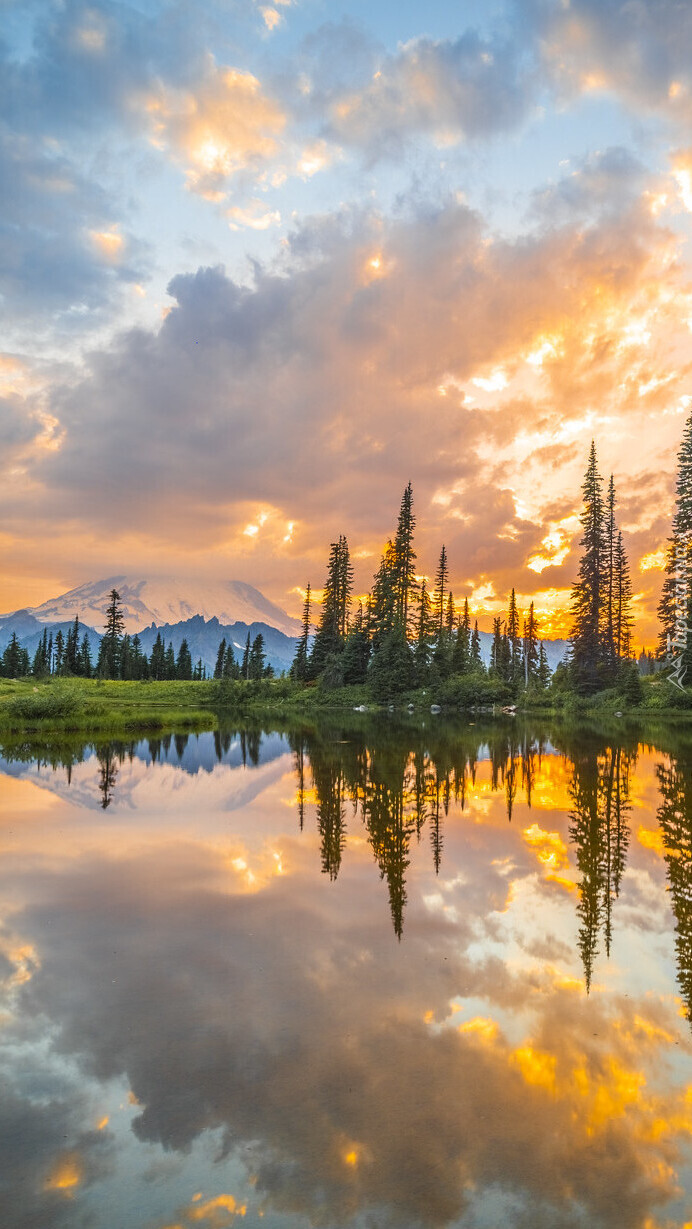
(382, 975)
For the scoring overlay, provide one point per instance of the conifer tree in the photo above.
(679, 553)
(543, 667)
(514, 640)
(230, 668)
(441, 577)
(245, 667)
(59, 652)
(610, 650)
(220, 657)
(336, 597)
(85, 658)
(356, 655)
(183, 665)
(476, 656)
(424, 634)
(589, 591)
(169, 661)
(622, 603)
(531, 653)
(157, 664)
(256, 660)
(405, 558)
(299, 667)
(109, 654)
(461, 656)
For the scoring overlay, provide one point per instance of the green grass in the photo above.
(87, 705)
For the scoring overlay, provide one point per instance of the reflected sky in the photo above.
(368, 975)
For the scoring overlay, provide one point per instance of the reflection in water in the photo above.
(600, 792)
(675, 818)
(213, 1014)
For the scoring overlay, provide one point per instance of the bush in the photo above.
(49, 704)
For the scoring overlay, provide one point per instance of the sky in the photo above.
(263, 264)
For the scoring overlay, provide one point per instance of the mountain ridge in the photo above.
(163, 600)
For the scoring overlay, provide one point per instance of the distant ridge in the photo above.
(164, 600)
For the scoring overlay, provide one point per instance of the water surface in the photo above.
(379, 975)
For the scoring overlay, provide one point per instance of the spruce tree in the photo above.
(245, 667)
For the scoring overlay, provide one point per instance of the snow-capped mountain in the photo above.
(166, 600)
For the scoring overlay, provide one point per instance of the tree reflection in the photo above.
(600, 792)
(675, 818)
(400, 780)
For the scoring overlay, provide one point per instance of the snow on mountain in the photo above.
(170, 600)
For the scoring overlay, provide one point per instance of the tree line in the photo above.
(406, 635)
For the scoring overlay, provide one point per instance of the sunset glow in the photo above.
(295, 256)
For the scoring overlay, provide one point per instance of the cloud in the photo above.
(348, 368)
(641, 50)
(467, 88)
(61, 259)
(226, 125)
(277, 1038)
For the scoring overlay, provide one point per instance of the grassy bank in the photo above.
(89, 705)
(95, 705)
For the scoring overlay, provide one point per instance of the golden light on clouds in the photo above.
(108, 243)
(226, 125)
(66, 1175)
(654, 560)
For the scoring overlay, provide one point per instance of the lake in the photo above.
(380, 973)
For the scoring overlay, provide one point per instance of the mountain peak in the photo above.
(166, 599)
